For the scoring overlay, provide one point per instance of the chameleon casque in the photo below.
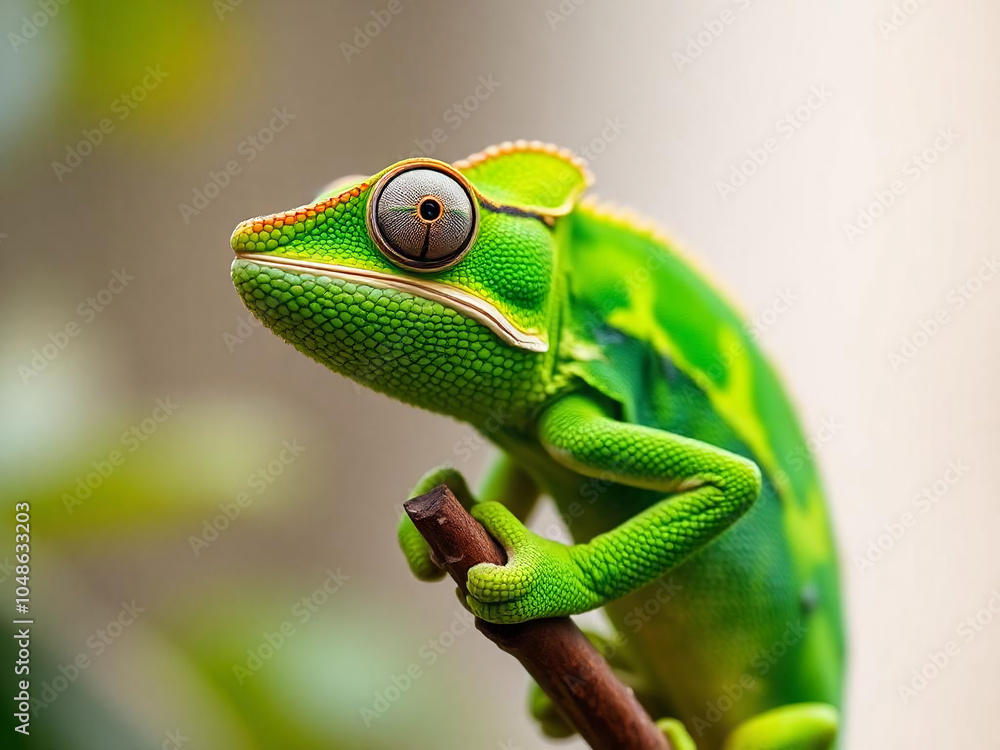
(615, 379)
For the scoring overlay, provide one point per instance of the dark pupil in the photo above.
(430, 210)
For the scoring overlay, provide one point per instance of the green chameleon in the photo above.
(614, 378)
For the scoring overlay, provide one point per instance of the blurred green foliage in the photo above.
(117, 493)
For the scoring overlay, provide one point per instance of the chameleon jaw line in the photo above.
(478, 309)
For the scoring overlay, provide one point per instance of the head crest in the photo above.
(529, 175)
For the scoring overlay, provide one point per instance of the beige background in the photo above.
(894, 430)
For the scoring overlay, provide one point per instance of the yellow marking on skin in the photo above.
(578, 350)
(628, 218)
(737, 398)
(734, 401)
(804, 518)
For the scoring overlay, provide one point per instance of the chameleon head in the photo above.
(431, 282)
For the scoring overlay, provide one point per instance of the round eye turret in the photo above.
(423, 217)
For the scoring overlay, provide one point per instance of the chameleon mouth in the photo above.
(477, 309)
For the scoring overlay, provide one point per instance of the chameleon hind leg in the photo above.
(800, 726)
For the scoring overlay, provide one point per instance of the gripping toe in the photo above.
(417, 552)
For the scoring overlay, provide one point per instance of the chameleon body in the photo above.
(615, 379)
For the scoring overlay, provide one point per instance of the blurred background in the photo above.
(214, 561)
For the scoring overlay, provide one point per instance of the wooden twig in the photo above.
(555, 652)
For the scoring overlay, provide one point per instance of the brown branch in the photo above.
(555, 652)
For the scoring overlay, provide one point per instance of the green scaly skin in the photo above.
(615, 379)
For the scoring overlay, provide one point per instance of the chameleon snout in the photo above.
(266, 233)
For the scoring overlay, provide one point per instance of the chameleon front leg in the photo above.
(504, 483)
(707, 489)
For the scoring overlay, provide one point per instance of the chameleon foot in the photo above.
(540, 579)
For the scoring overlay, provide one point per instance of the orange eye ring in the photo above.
(429, 209)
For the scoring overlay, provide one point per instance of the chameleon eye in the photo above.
(423, 217)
